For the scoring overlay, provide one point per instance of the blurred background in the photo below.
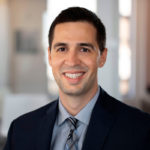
(26, 80)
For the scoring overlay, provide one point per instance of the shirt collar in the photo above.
(63, 114)
(83, 116)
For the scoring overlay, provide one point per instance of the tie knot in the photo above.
(73, 122)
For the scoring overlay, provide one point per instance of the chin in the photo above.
(74, 91)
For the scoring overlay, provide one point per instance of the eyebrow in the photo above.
(59, 44)
(87, 45)
(79, 44)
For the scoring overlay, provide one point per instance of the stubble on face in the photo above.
(88, 65)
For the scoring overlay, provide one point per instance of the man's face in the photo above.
(75, 58)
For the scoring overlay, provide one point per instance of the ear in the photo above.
(103, 57)
(49, 56)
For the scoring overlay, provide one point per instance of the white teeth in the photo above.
(73, 75)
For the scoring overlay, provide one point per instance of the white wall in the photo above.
(108, 76)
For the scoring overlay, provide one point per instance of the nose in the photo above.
(72, 58)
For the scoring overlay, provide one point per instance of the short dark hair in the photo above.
(74, 14)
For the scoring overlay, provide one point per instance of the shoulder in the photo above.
(129, 126)
(36, 115)
(124, 112)
(25, 129)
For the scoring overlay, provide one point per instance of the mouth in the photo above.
(74, 75)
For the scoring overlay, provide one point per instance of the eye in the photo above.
(84, 49)
(61, 49)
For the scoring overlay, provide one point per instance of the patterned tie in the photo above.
(71, 143)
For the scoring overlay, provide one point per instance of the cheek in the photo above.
(55, 61)
(92, 64)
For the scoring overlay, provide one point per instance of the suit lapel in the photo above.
(46, 128)
(100, 124)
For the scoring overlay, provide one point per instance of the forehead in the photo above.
(81, 30)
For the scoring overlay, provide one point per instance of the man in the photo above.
(84, 117)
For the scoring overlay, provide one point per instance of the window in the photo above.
(124, 45)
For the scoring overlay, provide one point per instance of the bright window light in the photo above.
(125, 7)
(55, 6)
(124, 45)
(124, 62)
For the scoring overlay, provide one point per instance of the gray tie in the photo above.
(71, 143)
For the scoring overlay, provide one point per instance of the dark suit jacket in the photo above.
(113, 126)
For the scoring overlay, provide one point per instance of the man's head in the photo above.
(74, 52)
(75, 14)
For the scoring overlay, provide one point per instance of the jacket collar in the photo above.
(45, 129)
(102, 119)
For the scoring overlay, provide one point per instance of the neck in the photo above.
(74, 104)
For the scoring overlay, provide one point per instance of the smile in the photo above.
(73, 75)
